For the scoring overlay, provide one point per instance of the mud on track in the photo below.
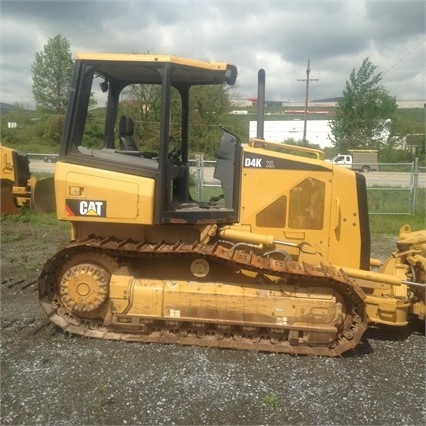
(48, 377)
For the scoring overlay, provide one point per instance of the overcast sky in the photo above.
(278, 36)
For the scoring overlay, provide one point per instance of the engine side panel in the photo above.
(305, 200)
(84, 193)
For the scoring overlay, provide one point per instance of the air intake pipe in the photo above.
(260, 104)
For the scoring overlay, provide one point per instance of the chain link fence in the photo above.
(393, 189)
(204, 187)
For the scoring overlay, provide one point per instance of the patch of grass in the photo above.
(207, 194)
(390, 201)
(170, 373)
(391, 223)
(271, 400)
(38, 221)
(102, 399)
(11, 234)
(13, 258)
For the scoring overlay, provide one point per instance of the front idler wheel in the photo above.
(84, 283)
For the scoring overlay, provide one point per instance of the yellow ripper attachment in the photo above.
(43, 195)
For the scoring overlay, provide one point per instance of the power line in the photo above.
(409, 53)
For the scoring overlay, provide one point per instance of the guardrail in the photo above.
(48, 158)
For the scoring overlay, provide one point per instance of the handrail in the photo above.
(260, 143)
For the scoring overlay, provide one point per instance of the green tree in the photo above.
(52, 73)
(209, 105)
(363, 115)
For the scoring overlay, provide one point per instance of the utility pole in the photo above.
(307, 80)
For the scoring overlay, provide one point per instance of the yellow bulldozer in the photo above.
(278, 261)
(19, 188)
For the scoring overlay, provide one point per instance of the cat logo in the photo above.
(95, 208)
(91, 208)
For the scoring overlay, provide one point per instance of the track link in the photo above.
(238, 336)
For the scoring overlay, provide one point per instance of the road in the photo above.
(393, 179)
(39, 166)
(373, 179)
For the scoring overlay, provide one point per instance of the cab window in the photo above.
(306, 205)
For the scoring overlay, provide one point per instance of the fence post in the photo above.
(415, 186)
(199, 164)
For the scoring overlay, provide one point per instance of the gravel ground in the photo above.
(49, 378)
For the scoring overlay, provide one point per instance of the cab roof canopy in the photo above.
(143, 68)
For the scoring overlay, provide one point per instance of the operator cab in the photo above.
(141, 125)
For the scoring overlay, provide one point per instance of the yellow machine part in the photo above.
(7, 199)
(313, 309)
(297, 206)
(174, 293)
(18, 189)
(398, 289)
(7, 181)
(85, 193)
(43, 195)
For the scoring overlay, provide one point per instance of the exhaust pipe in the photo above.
(261, 104)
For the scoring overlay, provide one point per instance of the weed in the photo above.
(13, 258)
(11, 234)
(271, 400)
(170, 373)
(101, 399)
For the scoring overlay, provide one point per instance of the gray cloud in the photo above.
(391, 19)
(277, 35)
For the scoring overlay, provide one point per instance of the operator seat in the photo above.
(125, 132)
(224, 170)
